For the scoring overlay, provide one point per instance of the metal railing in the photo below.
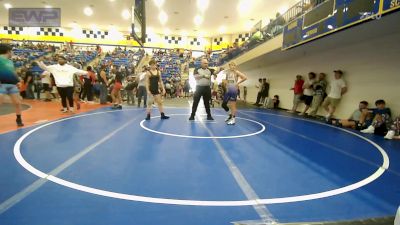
(274, 28)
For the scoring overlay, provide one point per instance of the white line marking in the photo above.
(110, 194)
(244, 185)
(205, 137)
(45, 177)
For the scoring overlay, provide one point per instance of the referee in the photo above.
(203, 83)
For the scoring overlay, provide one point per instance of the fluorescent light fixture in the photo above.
(7, 5)
(222, 29)
(163, 17)
(159, 3)
(202, 5)
(126, 14)
(88, 11)
(198, 20)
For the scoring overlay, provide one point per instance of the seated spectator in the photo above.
(394, 132)
(381, 119)
(273, 103)
(356, 118)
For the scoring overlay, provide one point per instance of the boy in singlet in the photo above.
(232, 84)
(153, 85)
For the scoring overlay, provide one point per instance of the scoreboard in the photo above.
(332, 16)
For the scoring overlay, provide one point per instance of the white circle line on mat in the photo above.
(129, 197)
(142, 124)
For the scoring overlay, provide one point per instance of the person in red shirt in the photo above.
(298, 92)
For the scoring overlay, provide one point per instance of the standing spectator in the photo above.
(28, 81)
(63, 76)
(337, 89)
(103, 83)
(88, 84)
(245, 93)
(130, 91)
(116, 91)
(259, 93)
(142, 92)
(186, 88)
(264, 91)
(46, 82)
(308, 92)
(8, 81)
(319, 94)
(298, 92)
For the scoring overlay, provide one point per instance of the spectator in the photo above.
(28, 81)
(298, 92)
(272, 103)
(394, 130)
(381, 119)
(308, 92)
(46, 82)
(88, 84)
(130, 91)
(245, 93)
(264, 91)
(337, 89)
(259, 93)
(356, 118)
(319, 94)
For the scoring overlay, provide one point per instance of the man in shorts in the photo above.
(8, 81)
(337, 90)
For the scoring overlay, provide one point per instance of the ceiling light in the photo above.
(202, 5)
(244, 7)
(163, 17)
(159, 3)
(112, 0)
(222, 29)
(47, 6)
(126, 14)
(88, 11)
(7, 5)
(198, 20)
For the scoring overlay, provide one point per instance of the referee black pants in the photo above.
(205, 92)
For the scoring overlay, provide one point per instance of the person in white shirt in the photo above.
(64, 78)
(308, 91)
(337, 89)
(142, 92)
(46, 85)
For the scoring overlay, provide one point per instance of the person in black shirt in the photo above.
(153, 85)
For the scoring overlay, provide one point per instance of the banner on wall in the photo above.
(34, 17)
